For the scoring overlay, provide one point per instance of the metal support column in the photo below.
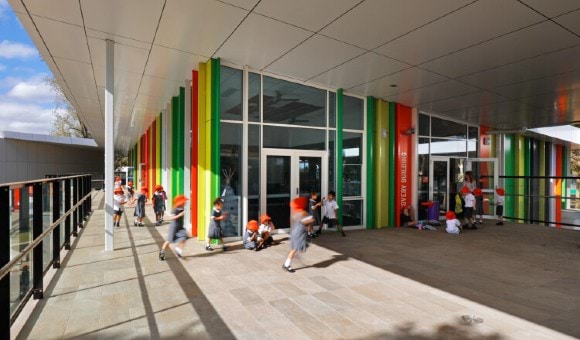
(4, 259)
(75, 214)
(67, 220)
(109, 147)
(56, 216)
(37, 268)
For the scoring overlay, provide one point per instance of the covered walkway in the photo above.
(388, 283)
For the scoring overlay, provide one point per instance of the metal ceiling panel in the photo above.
(319, 14)
(197, 26)
(77, 74)
(64, 40)
(539, 86)
(477, 99)
(375, 22)
(64, 10)
(159, 87)
(127, 58)
(315, 54)
(260, 40)
(245, 4)
(405, 80)
(553, 8)
(124, 81)
(571, 21)
(536, 40)
(560, 100)
(118, 39)
(359, 71)
(134, 19)
(172, 64)
(461, 29)
(427, 94)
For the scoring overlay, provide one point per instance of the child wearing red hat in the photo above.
(118, 201)
(159, 204)
(299, 222)
(177, 232)
(453, 226)
(499, 199)
(478, 205)
(252, 238)
(140, 206)
(266, 229)
(468, 208)
(215, 231)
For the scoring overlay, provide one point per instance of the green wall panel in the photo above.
(371, 186)
(509, 164)
(339, 156)
(392, 153)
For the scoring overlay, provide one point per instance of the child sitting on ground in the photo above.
(266, 229)
(499, 199)
(252, 238)
(407, 221)
(453, 224)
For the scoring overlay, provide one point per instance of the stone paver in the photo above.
(391, 284)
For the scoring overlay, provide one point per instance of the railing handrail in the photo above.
(539, 177)
(41, 180)
(6, 269)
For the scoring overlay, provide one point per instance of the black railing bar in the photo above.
(540, 177)
(6, 269)
(41, 180)
(536, 196)
(526, 219)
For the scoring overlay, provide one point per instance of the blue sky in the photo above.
(26, 101)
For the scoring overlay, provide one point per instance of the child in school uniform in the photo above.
(158, 204)
(215, 231)
(498, 201)
(478, 205)
(331, 213)
(266, 229)
(468, 208)
(298, 230)
(118, 201)
(314, 205)
(140, 206)
(177, 233)
(130, 191)
(453, 226)
(252, 238)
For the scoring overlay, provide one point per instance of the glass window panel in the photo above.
(331, 160)
(353, 113)
(290, 103)
(46, 222)
(423, 180)
(230, 93)
(278, 191)
(332, 109)
(472, 148)
(352, 163)
(352, 213)
(351, 185)
(231, 176)
(423, 146)
(352, 148)
(473, 132)
(20, 238)
(447, 129)
(446, 147)
(423, 125)
(254, 97)
(253, 172)
(294, 138)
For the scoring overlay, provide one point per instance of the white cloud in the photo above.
(10, 50)
(21, 117)
(2, 67)
(3, 8)
(35, 89)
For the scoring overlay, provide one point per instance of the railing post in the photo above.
(37, 268)
(4, 259)
(56, 231)
(74, 202)
(90, 200)
(81, 190)
(67, 220)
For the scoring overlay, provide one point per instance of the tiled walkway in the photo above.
(387, 284)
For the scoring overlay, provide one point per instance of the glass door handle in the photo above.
(297, 191)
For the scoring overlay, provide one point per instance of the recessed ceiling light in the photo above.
(393, 85)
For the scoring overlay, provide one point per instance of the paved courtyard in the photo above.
(378, 284)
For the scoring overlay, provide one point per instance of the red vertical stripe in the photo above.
(558, 191)
(194, 150)
(142, 169)
(403, 161)
(154, 153)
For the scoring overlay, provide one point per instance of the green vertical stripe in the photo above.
(527, 172)
(339, 165)
(174, 146)
(215, 127)
(509, 171)
(520, 171)
(370, 131)
(181, 143)
(542, 186)
(392, 152)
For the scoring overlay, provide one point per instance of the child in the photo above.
(314, 210)
(118, 201)
(407, 220)
(266, 229)
(331, 212)
(130, 191)
(118, 182)
(140, 206)
(164, 199)
(158, 204)
(468, 208)
(252, 238)
(298, 238)
(478, 204)
(499, 199)
(453, 224)
(215, 231)
(177, 232)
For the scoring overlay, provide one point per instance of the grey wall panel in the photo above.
(11, 150)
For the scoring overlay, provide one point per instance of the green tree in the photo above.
(575, 162)
(66, 122)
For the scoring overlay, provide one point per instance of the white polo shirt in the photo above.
(330, 207)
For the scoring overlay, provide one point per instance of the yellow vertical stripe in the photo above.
(207, 126)
(201, 184)
(381, 168)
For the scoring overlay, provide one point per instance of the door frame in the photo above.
(294, 155)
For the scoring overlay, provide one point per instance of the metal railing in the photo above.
(30, 213)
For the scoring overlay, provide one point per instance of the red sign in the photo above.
(403, 161)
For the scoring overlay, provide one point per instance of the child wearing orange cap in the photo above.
(468, 207)
(252, 238)
(478, 205)
(118, 201)
(453, 226)
(140, 206)
(177, 232)
(266, 229)
(158, 199)
(499, 199)
(299, 222)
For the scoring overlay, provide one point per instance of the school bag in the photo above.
(458, 204)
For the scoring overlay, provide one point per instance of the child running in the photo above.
(453, 224)
(140, 206)
(478, 205)
(499, 199)
(158, 204)
(118, 201)
(215, 231)
(331, 213)
(298, 238)
(314, 210)
(177, 232)
(266, 229)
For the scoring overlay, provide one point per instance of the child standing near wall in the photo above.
(478, 205)
(331, 213)
(118, 201)
(140, 206)
(158, 204)
(177, 232)
(298, 234)
(215, 231)
(452, 224)
(468, 208)
(314, 210)
(499, 199)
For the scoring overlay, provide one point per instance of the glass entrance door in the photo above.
(439, 180)
(289, 174)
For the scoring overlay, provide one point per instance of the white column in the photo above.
(245, 148)
(109, 145)
(187, 150)
(164, 149)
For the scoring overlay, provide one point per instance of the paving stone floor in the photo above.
(378, 284)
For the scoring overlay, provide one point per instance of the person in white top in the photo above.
(468, 208)
(499, 199)
(331, 213)
(453, 224)
(119, 200)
